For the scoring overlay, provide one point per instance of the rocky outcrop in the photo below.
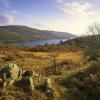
(11, 74)
(31, 74)
(27, 82)
(10, 71)
(8, 74)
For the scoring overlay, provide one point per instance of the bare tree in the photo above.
(94, 33)
(93, 42)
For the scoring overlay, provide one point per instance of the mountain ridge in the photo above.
(19, 33)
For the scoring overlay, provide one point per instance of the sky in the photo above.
(72, 16)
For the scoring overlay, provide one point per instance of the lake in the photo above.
(41, 42)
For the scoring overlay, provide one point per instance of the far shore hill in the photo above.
(19, 33)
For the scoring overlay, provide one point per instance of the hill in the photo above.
(18, 33)
(72, 76)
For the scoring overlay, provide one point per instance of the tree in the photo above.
(92, 40)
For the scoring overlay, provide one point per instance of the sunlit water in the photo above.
(42, 42)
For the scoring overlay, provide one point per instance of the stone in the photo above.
(32, 74)
(27, 74)
(27, 82)
(48, 84)
(48, 87)
(11, 71)
(11, 82)
(4, 76)
(4, 84)
(1, 83)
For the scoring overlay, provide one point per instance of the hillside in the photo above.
(71, 76)
(17, 33)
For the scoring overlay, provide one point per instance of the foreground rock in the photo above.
(10, 71)
(31, 74)
(48, 83)
(49, 88)
(27, 85)
(11, 74)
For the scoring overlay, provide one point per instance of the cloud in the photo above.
(39, 25)
(77, 9)
(7, 16)
(6, 19)
(76, 16)
(60, 1)
(6, 3)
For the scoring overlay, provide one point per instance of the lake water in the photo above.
(42, 42)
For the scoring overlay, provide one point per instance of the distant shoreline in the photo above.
(36, 43)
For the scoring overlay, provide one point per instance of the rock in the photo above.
(27, 82)
(11, 82)
(47, 84)
(31, 84)
(39, 79)
(1, 83)
(32, 74)
(4, 84)
(49, 89)
(11, 71)
(27, 74)
(4, 76)
(1, 80)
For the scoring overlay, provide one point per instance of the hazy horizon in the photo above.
(71, 16)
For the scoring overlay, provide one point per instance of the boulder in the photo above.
(27, 74)
(32, 74)
(27, 82)
(10, 71)
(3, 83)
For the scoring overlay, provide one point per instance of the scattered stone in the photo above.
(47, 84)
(1, 83)
(27, 74)
(49, 89)
(11, 71)
(27, 85)
(4, 76)
(4, 84)
(11, 82)
(27, 82)
(32, 74)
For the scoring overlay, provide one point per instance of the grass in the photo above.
(39, 61)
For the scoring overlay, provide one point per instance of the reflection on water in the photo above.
(42, 42)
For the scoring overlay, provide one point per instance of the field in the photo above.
(72, 77)
(37, 60)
